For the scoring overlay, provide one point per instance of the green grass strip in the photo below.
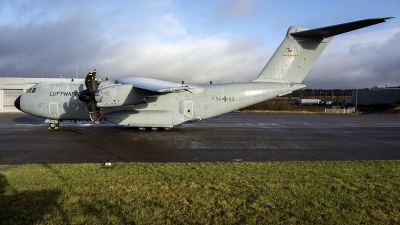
(203, 193)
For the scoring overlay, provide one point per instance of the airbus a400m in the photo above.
(150, 103)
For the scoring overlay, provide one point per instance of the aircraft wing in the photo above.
(153, 84)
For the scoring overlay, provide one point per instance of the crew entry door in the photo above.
(53, 107)
(188, 108)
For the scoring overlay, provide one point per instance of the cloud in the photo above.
(162, 46)
(237, 9)
(372, 60)
(32, 49)
(167, 52)
(194, 60)
(169, 26)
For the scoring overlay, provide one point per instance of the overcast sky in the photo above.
(194, 41)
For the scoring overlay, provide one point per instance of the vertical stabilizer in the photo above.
(301, 48)
(294, 58)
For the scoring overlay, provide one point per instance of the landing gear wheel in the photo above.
(154, 128)
(167, 128)
(142, 128)
(53, 126)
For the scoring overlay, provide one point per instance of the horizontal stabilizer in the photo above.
(325, 32)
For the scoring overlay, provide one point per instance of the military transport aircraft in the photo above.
(150, 103)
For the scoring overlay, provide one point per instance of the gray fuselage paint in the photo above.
(206, 101)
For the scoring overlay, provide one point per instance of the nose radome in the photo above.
(17, 103)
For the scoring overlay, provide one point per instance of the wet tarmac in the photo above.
(232, 137)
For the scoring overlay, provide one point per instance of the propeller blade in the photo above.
(95, 113)
(90, 81)
(91, 106)
(88, 96)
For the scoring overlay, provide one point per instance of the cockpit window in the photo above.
(31, 90)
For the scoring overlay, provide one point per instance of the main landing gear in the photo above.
(154, 128)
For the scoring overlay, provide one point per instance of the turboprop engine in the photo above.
(118, 95)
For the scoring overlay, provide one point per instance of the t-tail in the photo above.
(301, 49)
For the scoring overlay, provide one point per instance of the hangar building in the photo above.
(11, 88)
(376, 96)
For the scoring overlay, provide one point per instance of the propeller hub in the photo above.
(84, 96)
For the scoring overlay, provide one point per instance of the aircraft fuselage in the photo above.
(61, 102)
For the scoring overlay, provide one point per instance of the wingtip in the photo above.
(382, 18)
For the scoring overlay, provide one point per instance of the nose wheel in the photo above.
(53, 126)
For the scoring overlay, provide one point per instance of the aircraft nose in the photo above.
(17, 103)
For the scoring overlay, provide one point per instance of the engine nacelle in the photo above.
(118, 95)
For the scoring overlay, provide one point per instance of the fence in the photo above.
(337, 109)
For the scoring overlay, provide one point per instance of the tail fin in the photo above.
(301, 48)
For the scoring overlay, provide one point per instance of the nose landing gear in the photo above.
(53, 124)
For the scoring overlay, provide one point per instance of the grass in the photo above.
(203, 193)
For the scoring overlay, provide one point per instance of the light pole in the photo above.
(356, 100)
